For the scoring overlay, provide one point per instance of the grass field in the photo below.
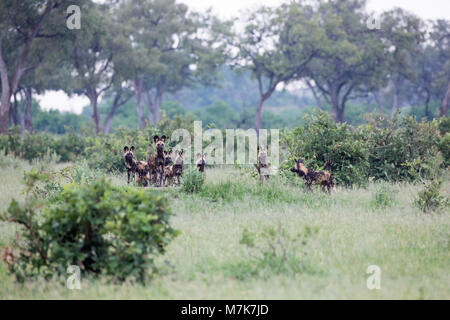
(208, 261)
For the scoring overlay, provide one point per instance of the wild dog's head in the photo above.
(167, 158)
(262, 155)
(160, 144)
(299, 168)
(179, 157)
(201, 161)
(128, 154)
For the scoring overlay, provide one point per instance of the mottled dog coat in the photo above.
(321, 178)
(138, 170)
(130, 161)
(201, 163)
(155, 160)
(263, 165)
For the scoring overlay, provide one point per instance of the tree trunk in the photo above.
(395, 101)
(137, 85)
(93, 97)
(28, 113)
(109, 117)
(154, 107)
(445, 101)
(22, 114)
(258, 115)
(316, 97)
(13, 112)
(5, 99)
(337, 111)
(427, 105)
(377, 97)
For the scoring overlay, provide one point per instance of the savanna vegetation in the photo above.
(370, 108)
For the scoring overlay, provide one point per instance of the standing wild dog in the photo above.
(142, 172)
(156, 160)
(137, 170)
(321, 178)
(262, 165)
(168, 168)
(201, 163)
(177, 167)
(130, 162)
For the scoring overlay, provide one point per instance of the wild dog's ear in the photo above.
(205, 155)
(155, 139)
(125, 149)
(300, 160)
(132, 148)
(182, 151)
(198, 155)
(163, 138)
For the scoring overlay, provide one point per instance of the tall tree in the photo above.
(169, 51)
(403, 32)
(276, 46)
(21, 23)
(441, 39)
(352, 57)
(91, 51)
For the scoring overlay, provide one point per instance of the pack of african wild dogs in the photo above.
(163, 168)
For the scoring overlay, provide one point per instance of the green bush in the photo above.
(192, 180)
(321, 142)
(444, 147)
(391, 144)
(116, 232)
(429, 198)
(384, 196)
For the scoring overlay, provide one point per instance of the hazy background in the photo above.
(430, 9)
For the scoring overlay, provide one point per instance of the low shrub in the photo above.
(115, 232)
(384, 196)
(324, 144)
(429, 198)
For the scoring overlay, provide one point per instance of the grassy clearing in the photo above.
(356, 228)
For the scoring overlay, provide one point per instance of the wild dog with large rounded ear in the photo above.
(155, 139)
(163, 139)
(125, 149)
(132, 148)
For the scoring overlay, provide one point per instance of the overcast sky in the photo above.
(426, 9)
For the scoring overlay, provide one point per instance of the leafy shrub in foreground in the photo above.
(104, 230)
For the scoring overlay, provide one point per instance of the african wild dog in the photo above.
(321, 178)
(262, 164)
(156, 160)
(168, 168)
(138, 170)
(177, 167)
(201, 163)
(130, 162)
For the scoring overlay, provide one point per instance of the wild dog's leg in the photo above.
(128, 174)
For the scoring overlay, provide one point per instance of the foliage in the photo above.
(396, 143)
(429, 198)
(192, 180)
(322, 142)
(384, 196)
(116, 232)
